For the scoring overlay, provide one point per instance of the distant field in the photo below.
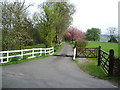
(106, 46)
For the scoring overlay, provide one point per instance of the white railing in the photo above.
(74, 53)
(6, 55)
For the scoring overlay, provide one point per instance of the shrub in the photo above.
(81, 43)
(14, 59)
(25, 57)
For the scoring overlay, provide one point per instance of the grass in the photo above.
(21, 61)
(92, 69)
(56, 48)
(35, 46)
(106, 46)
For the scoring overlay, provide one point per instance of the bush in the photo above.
(25, 57)
(81, 43)
(14, 59)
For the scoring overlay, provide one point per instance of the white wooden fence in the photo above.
(6, 55)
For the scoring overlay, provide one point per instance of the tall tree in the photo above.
(65, 10)
(48, 19)
(15, 25)
(93, 34)
(112, 35)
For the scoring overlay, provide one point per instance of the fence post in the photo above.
(49, 51)
(53, 50)
(1, 55)
(22, 54)
(40, 51)
(33, 52)
(76, 51)
(111, 62)
(45, 52)
(7, 56)
(99, 55)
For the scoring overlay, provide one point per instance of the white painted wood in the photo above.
(32, 52)
(74, 53)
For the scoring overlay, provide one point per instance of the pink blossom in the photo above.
(74, 34)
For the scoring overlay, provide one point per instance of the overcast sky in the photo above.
(91, 13)
(96, 13)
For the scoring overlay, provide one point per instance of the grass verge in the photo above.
(92, 69)
(57, 49)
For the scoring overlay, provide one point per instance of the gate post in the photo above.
(111, 62)
(99, 55)
(76, 50)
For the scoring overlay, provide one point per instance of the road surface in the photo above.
(51, 72)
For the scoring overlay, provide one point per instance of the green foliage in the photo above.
(81, 43)
(14, 59)
(65, 10)
(17, 28)
(35, 46)
(25, 57)
(93, 34)
(48, 20)
(52, 21)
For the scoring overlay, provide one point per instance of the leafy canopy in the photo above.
(93, 34)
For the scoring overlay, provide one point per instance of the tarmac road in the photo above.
(51, 72)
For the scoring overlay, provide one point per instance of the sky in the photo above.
(100, 14)
(95, 13)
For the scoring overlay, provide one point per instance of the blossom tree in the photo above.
(73, 34)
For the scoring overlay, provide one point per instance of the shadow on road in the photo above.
(64, 55)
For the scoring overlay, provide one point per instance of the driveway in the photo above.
(51, 72)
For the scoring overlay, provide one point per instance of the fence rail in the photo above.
(87, 52)
(6, 55)
(105, 60)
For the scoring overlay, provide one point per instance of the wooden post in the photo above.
(7, 56)
(53, 50)
(111, 62)
(1, 55)
(22, 54)
(33, 52)
(45, 52)
(99, 55)
(40, 51)
(76, 51)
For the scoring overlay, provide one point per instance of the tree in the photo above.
(15, 25)
(74, 34)
(65, 10)
(112, 36)
(48, 19)
(93, 34)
